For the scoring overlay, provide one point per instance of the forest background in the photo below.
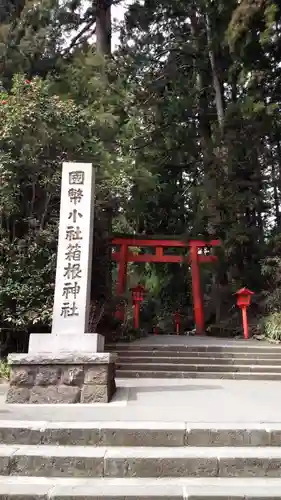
(182, 121)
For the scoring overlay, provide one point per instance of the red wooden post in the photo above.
(245, 322)
(196, 289)
(122, 278)
(243, 301)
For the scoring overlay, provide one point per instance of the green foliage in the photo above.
(106, 101)
(272, 273)
(34, 35)
(38, 132)
(182, 124)
(4, 371)
(250, 13)
(27, 268)
(271, 326)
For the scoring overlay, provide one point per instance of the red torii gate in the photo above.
(125, 255)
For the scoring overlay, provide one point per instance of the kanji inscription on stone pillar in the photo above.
(74, 257)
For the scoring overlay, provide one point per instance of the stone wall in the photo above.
(47, 378)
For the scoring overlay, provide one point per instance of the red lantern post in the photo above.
(177, 321)
(243, 301)
(137, 296)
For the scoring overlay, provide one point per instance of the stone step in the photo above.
(133, 489)
(38, 488)
(154, 462)
(197, 368)
(133, 373)
(141, 433)
(199, 355)
(196, 360)
(204, 355)
(244, 348)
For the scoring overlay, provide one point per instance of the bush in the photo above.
(4, 370)
(270, 323)
(271, 326)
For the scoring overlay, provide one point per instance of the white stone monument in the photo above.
(68, 365)
(74, 263)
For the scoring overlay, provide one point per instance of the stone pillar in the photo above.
(68, 365)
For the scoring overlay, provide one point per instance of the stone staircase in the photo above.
(139, 460)
(243, 362)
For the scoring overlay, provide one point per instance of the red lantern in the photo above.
(137, 296)
(244, 297)
(138, 293)
(243, 301)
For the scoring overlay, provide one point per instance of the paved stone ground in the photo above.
(199, 340)
(168, 400)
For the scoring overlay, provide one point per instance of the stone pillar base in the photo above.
(61, 378)
(66, 342)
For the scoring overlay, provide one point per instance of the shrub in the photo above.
(4, 370)
(271, 326)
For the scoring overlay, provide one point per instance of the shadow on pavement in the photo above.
(137, 390)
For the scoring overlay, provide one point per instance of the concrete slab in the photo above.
(172, 400)
(136, 488)
(125, 492)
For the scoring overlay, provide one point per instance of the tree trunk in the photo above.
(101, 286)
(275, 191)
(210, 160)
(278, 146)
(103, 27)
(218, 87)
